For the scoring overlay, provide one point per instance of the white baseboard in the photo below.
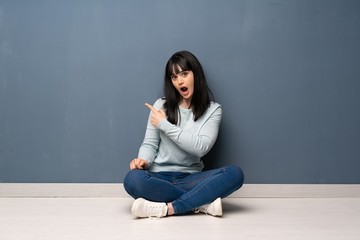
(109, 190)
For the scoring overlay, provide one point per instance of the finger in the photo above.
(132, 167)
(133, 164)
(150, 107)
(139, 165)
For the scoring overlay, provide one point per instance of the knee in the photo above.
(131, 179)
(236, 175)
(128, 178)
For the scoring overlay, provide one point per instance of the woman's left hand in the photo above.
(157, 115)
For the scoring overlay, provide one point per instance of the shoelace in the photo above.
(201, 209)
(155, 212)
(196, 210)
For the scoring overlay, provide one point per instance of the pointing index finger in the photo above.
(150, 107)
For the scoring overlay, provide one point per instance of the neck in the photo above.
(185, 103)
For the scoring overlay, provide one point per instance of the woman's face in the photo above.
(184, 83)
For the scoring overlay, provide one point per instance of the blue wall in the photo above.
(74, 76)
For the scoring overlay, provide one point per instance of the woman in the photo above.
(167, 178)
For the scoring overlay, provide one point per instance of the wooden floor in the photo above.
(244, 218)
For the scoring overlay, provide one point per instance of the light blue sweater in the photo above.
(179, 148)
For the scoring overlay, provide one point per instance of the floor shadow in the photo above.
(231, 207)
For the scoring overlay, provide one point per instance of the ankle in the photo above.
(170, 209)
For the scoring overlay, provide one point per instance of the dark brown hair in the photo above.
(185, 61)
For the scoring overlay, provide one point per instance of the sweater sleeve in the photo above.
(199, 143)
(150, 145)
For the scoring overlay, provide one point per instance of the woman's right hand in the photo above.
(156, 116)
(138, 163)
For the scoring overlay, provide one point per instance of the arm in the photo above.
(150, 145)
(195, 143)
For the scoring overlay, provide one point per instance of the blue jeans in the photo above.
(186, 191)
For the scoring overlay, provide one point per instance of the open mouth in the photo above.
(184, 89)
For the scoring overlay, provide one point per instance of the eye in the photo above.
(173, 77)
(184, 74)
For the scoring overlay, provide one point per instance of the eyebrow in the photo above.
(174, 74)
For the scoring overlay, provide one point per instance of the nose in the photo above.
(180, 80)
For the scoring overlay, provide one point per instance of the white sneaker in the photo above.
(143, 208)
(213, 209)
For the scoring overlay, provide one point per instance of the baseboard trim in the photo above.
(110, 190)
